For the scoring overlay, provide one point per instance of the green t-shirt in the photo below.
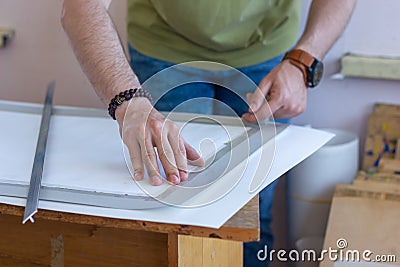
(234, 32)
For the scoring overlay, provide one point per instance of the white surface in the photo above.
(292, 146)
(84, 153)
(336, 162)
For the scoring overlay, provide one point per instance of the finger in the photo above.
(289, 111)
(273, 105)
(180, 155)
(248, 100)
(257, 99)
(284, 114)
(136, 159)
(193, 156)
(265, 111)
(167, 159)
(165, 151)
(260, 115)
(150, 161)
(248, 97)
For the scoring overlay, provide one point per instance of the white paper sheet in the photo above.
(83, 153)
(292, 146)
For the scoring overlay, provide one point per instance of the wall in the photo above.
(40, 53)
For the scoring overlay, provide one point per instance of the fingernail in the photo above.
(183, 175)
(174, 179)
(138, 176)
(156, 180)
(202, 162)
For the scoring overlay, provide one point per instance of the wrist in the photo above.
(309, 65)
(121, 98)
(310, 49)
(120, 113)
(135, 104)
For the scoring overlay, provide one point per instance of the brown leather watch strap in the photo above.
(300, 56)
(301, 59)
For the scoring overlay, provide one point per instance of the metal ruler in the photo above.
(32, 200)
(223, 162)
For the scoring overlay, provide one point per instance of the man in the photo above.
(249, 35)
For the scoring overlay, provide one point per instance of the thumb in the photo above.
(193, 156)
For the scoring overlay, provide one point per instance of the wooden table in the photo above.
(59, 238)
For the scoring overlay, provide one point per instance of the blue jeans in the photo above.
(145, 67)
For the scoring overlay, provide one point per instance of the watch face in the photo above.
(317, 71)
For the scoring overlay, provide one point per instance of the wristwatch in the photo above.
(311, 67)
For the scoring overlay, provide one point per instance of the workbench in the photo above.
(67, 239)
(68, 232)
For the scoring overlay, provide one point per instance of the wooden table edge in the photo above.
(234, 229)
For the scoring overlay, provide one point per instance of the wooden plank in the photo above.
(389, 166)
(172, 250)
(346, 190)
(89, 245)
(84, 245)
(117, 247)
(377, 177)
(218, 252)
(190, 251)
(387, 109)
(243, 226)
(209, 252)
(36, 242)
(384, 124)
(11, 261)
(382, 134)
(370, 67)
(397, 155)
(365, 219)
(378, 182)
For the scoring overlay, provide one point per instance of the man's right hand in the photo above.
(142, 129)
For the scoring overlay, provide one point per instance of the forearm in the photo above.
(97, 47)
(326, 22)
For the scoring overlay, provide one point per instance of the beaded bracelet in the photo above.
(125, 96)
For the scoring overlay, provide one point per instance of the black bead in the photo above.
(126, 95)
